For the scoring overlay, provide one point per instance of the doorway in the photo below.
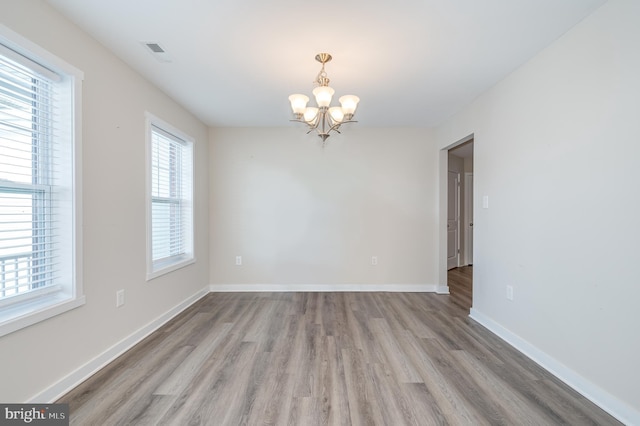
(459, 215)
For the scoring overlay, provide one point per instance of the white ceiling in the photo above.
(412, 62)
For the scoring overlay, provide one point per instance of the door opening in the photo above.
(459, 239)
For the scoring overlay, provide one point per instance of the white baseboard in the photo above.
(58, 389)
(257, 288)
(612, 405)
(442, 289)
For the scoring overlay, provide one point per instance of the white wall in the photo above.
(556, 149)
(302, 216)
(114, 102)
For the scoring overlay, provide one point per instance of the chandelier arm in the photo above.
(323, 130)
(310, 126)
(300, 121)
(337, 125)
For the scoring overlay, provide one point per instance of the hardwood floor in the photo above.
(326, 358)
(459, 281)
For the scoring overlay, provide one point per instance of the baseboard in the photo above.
(442, 289)
(612, 405)
(58, 389)
(257, 288)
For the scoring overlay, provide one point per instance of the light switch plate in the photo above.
(509, 292)
(119, 298)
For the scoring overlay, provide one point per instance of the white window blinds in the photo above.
(29, 160)
(40, 178)
(171, 199)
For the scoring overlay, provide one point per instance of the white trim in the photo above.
(61, 387)
(391, 288)
(442, 289)
(21, 45)
(603, 399)
(32, 312)
(468, 218)
(170, 268)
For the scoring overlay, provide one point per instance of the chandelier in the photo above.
(323, 118)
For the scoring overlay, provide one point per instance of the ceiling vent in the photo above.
(157, 51)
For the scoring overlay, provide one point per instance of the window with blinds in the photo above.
(37, 222)
(171, 211)
(27, 257)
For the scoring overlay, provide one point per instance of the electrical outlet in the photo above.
(119, 298)
(509, 292)
(238, 260)
(374, 260)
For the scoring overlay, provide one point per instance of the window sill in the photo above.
(170, 267)
(14, 318)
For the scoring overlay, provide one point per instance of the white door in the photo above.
(453, 221)
(468, 217)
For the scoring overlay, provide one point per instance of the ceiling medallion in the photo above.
(323, 118)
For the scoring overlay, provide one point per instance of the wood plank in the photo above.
(326, 358)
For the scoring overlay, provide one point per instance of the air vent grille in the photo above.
(157, 51)
(155, 47)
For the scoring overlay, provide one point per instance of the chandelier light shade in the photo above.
(298, 103)
(323, 118)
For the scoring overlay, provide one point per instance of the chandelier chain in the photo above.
(322, 79)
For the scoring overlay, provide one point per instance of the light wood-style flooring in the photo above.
(326, 358)
(460, 282)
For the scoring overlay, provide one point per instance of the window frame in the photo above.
(20, 311)
(166, 265)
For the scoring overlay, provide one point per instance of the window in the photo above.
(170, 195)
(39, 150)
